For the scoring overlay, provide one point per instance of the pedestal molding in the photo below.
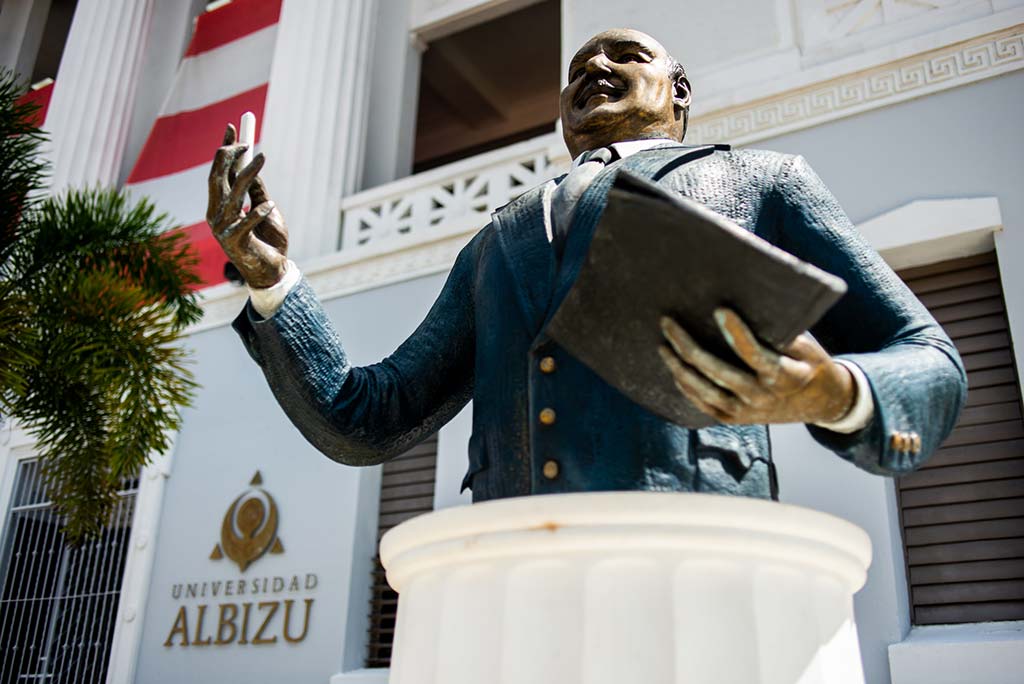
(656, 587)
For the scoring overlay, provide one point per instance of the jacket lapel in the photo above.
(528, 254)
(521, 234)
(653, 163)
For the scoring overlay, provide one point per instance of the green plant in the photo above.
(95, 292)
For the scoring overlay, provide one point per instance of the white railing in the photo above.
(448, 200)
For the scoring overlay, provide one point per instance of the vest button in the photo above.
(550, 469)
(547, 365)
(546, 416)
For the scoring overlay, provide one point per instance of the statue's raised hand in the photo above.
(802, 384)
(256, 242)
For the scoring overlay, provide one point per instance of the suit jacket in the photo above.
(484, 339)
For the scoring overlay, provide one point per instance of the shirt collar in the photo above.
(626, 148)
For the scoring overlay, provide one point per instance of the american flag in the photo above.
(224, 73)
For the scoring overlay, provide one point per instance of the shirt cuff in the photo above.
(267, 300)
(863, 409)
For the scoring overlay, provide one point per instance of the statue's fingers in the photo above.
(764, 361)
(806, 348)
(219, 185)
(723, 374)
(241, 229)
(273, 232)
(707, 396)
(258, 189)
(236, 165)
(217, 189)
(240, 187)
(223, 159)
(218, 165)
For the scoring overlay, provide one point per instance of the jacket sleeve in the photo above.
(366, 415)
(917, 379)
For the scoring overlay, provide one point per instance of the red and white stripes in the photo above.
(224, 73)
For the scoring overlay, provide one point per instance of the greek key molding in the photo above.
(922, 74)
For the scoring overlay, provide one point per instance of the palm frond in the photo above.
(22, 170)
(95, 291)
(103, 294)
(99, 229)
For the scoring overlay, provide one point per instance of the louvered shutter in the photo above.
(963, 512)
(406, 490)
(58, 603)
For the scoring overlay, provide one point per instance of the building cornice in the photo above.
(336, 276)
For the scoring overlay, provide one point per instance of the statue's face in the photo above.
(621, 88)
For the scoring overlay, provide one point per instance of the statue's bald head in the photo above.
(623, 85)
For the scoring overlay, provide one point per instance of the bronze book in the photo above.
(654, 252)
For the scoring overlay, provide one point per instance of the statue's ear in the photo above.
(681, 92)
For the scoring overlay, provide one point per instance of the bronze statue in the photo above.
(882, 396)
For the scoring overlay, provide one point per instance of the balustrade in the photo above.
(452, 199)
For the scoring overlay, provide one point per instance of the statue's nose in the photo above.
(598, 64)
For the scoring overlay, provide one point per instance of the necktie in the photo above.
(569, 191)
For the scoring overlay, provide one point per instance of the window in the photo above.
(488, 86)
(406, 490)
(963, 512)
(55, 36)
(58, 603)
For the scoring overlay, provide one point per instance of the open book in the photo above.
(656, 253)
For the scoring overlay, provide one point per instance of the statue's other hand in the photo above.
(802, 384)
(257, 241)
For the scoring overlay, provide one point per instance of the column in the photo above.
(21, 30)
(90, 113)
(316, 111)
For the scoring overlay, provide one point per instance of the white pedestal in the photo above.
(624, 588)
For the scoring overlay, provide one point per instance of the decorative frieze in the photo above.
(922, 74)
(836, 19)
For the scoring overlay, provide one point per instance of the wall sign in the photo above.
(261, 610)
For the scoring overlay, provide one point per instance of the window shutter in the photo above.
(58, 603)
(406, 490)
(963, 512)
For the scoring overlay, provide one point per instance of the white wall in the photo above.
(699, 33)
(720, 42)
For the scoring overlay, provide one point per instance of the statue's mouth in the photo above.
(593, 88)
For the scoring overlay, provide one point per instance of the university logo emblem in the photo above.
(249, 529)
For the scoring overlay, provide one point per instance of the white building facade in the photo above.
(909, 110)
